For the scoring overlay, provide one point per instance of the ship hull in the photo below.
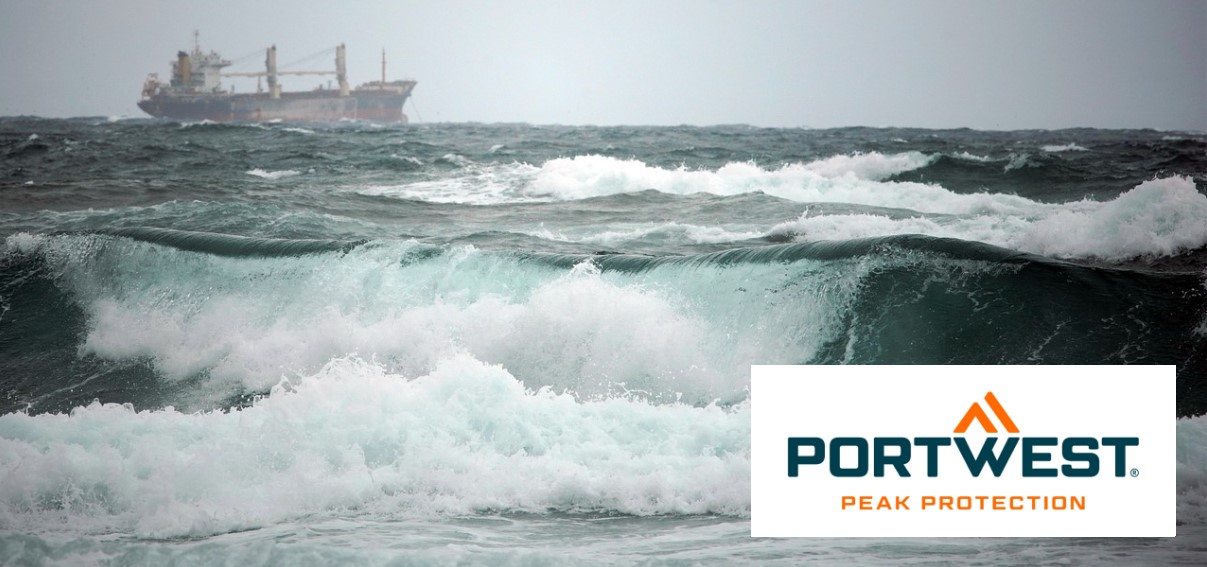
(315, 106)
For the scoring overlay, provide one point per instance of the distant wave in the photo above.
(1070, 147)
(202, 242)
(273, 174)
(231, 245)
(672, 230)
(593, 176)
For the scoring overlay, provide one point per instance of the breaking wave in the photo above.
(1162, 217)
(468, 437)
(221, 318)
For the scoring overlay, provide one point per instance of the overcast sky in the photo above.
(989, 65)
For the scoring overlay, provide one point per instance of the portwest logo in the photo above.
(894, 454)
(975, 412)
(872, 451)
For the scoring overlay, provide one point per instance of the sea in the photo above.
(509, 344)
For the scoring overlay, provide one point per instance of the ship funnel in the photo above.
(341, 70)
(270, 61)
(185, 68)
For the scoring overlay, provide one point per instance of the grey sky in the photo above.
(991, 65)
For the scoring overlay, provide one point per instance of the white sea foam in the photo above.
(205, 122)
(456, 159)
(273, 174)
(973, 157)
(830, 180)
(467, 437)
(1018, 161)
(472, 185)
(873, 165)
(618, 236)
(848, 226)
(298, 130)
(837, 178)
(1069, 147)
(555, 336)
(1161, 217)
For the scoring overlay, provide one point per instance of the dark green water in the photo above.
(501, 343)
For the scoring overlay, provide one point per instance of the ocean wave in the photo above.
(1158, 218)
(843, 178)
(455, 159)
(872, 165)
(273, 174)
(203, 242)
(468, 437)
(1069, 147)
(831, 180)
(1161, 217)
(645, 234)
(973, 157)
(241, 322)
(217, 327)
(1018, 161)
(231, 245)
(473, 185)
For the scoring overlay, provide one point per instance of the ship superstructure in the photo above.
(195, 92)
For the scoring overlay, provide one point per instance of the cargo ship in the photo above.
(195, 92)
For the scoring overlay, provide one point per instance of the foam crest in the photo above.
(1069, 147)
(872, 165)
(1018, 161)
(1161, 217)
(467, 437)
(664, 232)
(832, 180)
(273, 174)
(854, 179)
(473, 184)
(973, 157)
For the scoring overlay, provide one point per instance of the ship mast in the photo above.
(341, 70)
(383, 69)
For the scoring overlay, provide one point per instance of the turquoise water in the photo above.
(508, 344)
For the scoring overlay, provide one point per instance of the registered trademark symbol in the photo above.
(1135, 473)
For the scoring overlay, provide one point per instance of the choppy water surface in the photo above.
(512, 344)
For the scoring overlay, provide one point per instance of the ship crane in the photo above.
(271, 71)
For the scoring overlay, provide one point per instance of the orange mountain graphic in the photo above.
(978, 413)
